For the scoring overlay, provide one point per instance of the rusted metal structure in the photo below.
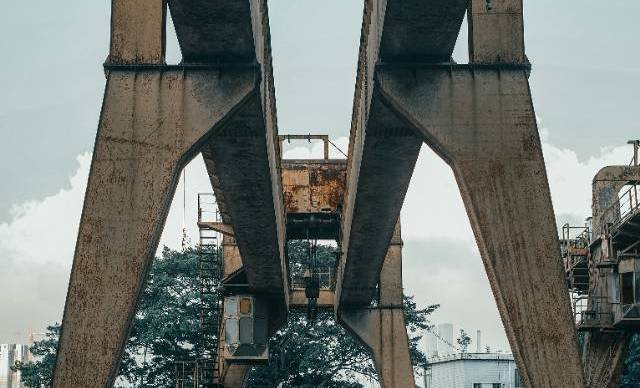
(220, 102)
(608, 309)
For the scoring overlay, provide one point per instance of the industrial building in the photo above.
(602, 266)
(473, 370)
(9, 354)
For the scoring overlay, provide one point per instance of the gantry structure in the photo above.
(220, 102)
(602, 262)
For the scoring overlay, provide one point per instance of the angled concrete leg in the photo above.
(382, 329)
(151, 124)
(481, 121)
(235, 375)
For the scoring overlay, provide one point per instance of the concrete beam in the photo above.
(382, 160)
(137, 31)
(214, 31)
(482, 123)
(235, 375)
(383, 329)
(383, 147)
(239, 154)
(243, 158)
(419, 30)
(151, 125)
(298, 299)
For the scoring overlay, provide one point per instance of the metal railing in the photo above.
(592, 311)
(208, 208)
(626, 205)
(325, 275)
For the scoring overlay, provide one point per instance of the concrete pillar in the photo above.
(231, 253)
(235, 375)
(496, 31)
(138, 31)
(480, 119)
(151, 125)
(382, 329)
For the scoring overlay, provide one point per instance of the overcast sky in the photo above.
(584, 84)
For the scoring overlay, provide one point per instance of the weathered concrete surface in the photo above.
(496, 35)
(218, 32)
(242, 150)
(480, 119)
(417, 30)
(382, 329)
(235, 375)
(298, 299)
(151, 125)
(383, 147)
(137, 31)
(243, 158)
(380, 169)
(483, 124)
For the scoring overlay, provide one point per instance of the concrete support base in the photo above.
(383, 331)
(383, 328)
(482, 123)
(235, 375)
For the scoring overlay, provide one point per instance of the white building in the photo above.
(9, 354)
(472, 370)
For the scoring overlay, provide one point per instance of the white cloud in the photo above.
(442, 264)
(44, 231)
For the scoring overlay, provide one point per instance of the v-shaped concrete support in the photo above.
(151, 125)
(481, 121)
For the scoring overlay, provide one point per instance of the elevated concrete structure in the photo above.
(154, 119)
(383, 146)
(220, 101)
(479, 118)
(382, 328)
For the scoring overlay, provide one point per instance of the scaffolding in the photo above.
(575, 256)
(210, 273)
(205, 370)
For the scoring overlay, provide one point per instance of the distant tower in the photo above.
(478, 342)
(445, 331)
(431, 345)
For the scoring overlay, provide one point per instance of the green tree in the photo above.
(631, 374)
(165, 330)
(322, 354)
(464, 340)
(38, 373)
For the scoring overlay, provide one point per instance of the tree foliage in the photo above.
(464, 340)
(39, 373)
(631, 374)
(165, 330)
(323, 354)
